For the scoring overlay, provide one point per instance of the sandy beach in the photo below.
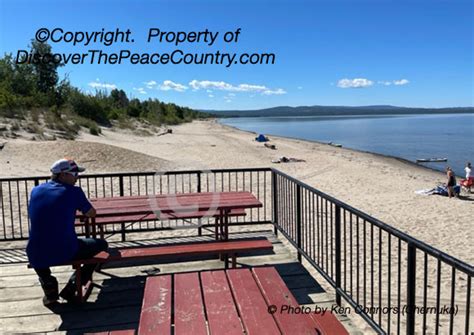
(381, 186)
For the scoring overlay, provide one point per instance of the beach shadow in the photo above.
(299, 281)
(466, 198)
(113, 305)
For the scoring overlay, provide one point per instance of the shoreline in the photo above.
(400, 159)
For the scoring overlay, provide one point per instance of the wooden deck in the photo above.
(116, 304)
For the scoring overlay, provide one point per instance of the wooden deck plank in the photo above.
(251, 304)
(219, 303)
(276, 293)
(188, 305)
(155, 317)
(73, 322)
(106, 310)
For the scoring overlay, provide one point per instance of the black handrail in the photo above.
(460, 265)
(145, 173)
(302, 209)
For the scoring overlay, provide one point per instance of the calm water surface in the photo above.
(407, 136)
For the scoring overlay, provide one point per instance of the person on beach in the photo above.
(468, 169)
(52, 238)
(451, 182)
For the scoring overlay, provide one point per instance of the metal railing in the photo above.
(397, 283)
(15, 192)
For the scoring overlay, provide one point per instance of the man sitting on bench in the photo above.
(52, 238)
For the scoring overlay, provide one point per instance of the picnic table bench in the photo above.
(236, 301)
(228, 248)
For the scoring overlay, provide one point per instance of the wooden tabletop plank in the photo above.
(252, 306)
(155, 317)
(184, 197)
(172, 198)
(276, 293)
(229, 194)
(188, 305)
(99, 203)
(181, 203)
(220, 307)
(329, 324)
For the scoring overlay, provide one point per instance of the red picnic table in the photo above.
(219, 205)
(237, 301)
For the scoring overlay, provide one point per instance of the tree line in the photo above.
(37, 86)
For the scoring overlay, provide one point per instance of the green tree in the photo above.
(134, 109)
(46, 72)
(119, 98)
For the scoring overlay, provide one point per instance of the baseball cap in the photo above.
(66, 165)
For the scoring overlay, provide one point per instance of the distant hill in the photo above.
(336, 110)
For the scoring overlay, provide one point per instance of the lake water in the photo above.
(407, 136)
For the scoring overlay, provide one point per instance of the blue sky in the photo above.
(404, 53)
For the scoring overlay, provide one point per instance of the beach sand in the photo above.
(382, 187)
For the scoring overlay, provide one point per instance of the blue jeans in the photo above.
(88, 247)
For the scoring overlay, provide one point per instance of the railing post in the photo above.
(411, 288)
(122, 193)
(275, 203)
(298, 220)
(121, 186)
(36, 182)
(199, 191)
(338, 253)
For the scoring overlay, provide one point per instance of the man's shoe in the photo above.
(68, 293)
(50, 290)
(49, 301)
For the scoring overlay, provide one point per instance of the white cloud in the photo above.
(206, 84)
(209, 91)
(250, 88)
(393, 82)
(354, 83)
(140, 90)
(223, 86)
(150, 84)
(211, 96)
(170, 85)
(278, 91)
(400, 82)
(231, 94)
(98, 85)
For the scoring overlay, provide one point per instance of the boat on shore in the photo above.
(431, 160)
